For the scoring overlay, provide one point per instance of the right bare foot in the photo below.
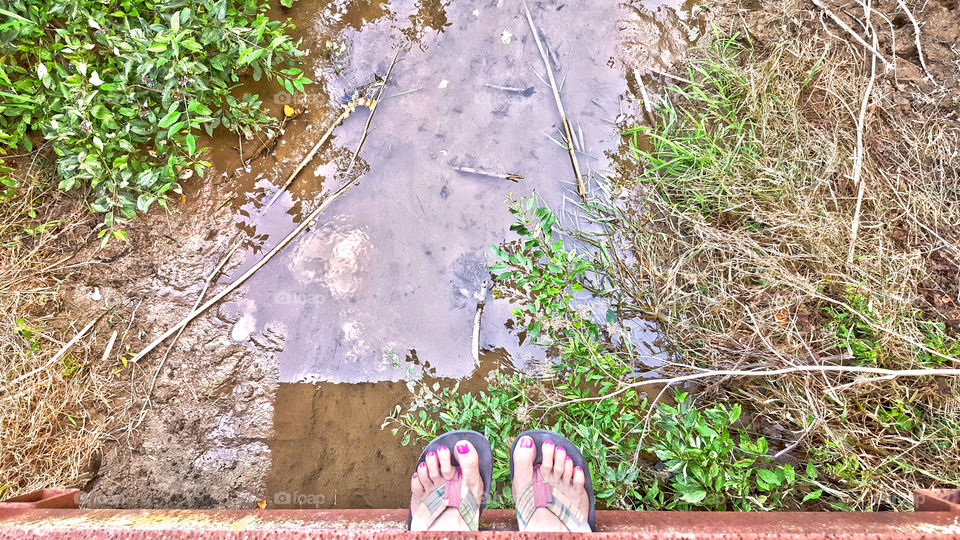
(538, 508)
(429, 501)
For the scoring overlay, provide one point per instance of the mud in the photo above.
(383, 286)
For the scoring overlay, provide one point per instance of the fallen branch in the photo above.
(647, 109)
(884, 374)
(503, 176)
(568, 132)
(203, 292)
(373, 109)
(916, 35)
(56, 357)
(481, 302)
(232, 286)
(853, 34)
(313, 152)
(858, 157)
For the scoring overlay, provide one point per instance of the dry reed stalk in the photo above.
(567, 130)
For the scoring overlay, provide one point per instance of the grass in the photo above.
(736, 238)
(52, 423)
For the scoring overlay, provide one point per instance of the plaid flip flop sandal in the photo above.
(539, 495)
(453, 493)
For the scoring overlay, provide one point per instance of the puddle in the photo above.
(393, 267)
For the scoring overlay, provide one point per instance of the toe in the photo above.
(433, 466)
(446, 468)
(416, 488)
(423, 475)
(547, 451)
(524, 454)
(559, 460)
(579, 478)
(469, 460)
(567, 475)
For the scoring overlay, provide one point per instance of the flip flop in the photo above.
(439, 500)
(539, 495)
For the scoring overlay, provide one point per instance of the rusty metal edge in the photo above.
(253, 524)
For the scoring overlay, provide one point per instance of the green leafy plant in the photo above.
(120, 90)
(710, 468)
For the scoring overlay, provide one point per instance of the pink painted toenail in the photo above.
(414, 475)
(526, 442)
(462, 448)
(548, 442)
(431, 453)
(569, 458)
(578, 468)
(443, 448)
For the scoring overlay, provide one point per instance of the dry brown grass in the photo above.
(53, 421)
(740, 243)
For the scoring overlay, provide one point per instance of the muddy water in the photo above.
(384, 286)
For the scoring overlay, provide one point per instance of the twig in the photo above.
(886, 373)
(503, 176)
(481, 302)
(232, 286)
(523, 91)
(313, 152)
(581, 186)
(858, 157)
(647, 109)
(853, 34)
(63, 350)
(373, 109)
(916, 35)
(109, 347)
(203, 292)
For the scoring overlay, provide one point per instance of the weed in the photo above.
(121, 93)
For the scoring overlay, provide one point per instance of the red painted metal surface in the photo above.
(44, 498)
(47, 513)
(254, 524)
(936, 500)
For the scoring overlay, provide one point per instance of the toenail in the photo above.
(443, 449)
(549, 442)
(422, 465)
(578, 468)
(431, 453)
(526, 442)
(462, 448)
(414, 475)
(569, 458)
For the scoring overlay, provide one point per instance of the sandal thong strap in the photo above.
(450, 495)
(539, 495)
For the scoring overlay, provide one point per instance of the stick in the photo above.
(343, 116)
(481, 302)
(581, 186)
(373, 109)
(230, 288)
(887, 373)
(853, 34)
(203, 292)
(916, 35)
(858, 158)
(503, 176)
(108, 348)
(63, 350)
(647, 109)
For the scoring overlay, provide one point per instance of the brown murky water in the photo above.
(383, 287)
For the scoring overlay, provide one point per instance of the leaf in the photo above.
(100, 112)
(768, 476)
(694, 497)
(813, 495)
(288, 110)
(169, 119)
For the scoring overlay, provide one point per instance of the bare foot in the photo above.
(566, 486)
(433, 474)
